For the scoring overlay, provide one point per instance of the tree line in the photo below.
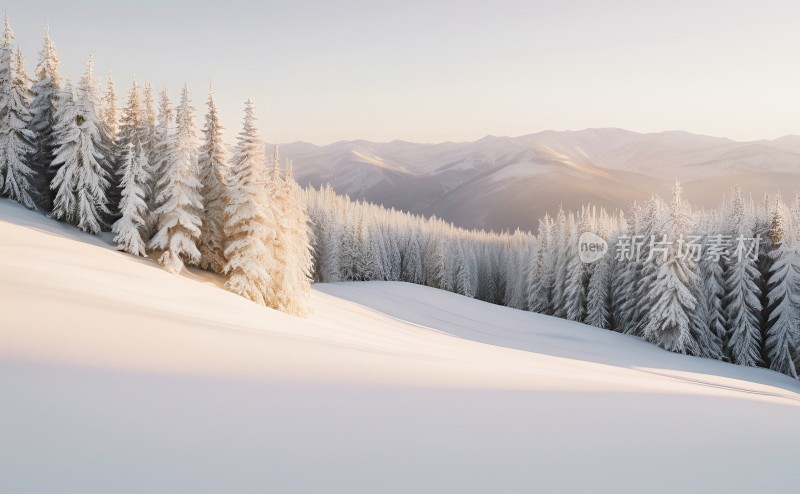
(687, 280)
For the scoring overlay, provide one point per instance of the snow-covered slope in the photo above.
(509, 182)
(118, 377)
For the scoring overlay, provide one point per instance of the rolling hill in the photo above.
(116, 376)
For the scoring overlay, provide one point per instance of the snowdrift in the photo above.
(118, 377)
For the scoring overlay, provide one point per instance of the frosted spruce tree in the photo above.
(109, 109)
(598, 296)
(161, 149)
(293, 255)
(133, 210)
(466, 271)
(783, 334)
(45, 89)
(23, 81)
(712, 274)
(672, 298)
(561, 237)
(131, 226)
(577, 276)
(181, 203)
(81, 181)
(16, 138)
(540, 293)
(250, 223)
(741, 288)
(212, 177)
(149, 134)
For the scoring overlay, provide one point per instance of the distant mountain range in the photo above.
(509, 182)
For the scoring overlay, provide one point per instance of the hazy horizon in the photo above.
(449, 71)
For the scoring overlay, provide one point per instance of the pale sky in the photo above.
(430, 71)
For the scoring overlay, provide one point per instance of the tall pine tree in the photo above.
(249, 221)
(212, 177)
(46, 88)
(81, 181)
(16, 138)
(181, 203)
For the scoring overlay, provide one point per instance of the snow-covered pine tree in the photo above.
(109, 109)
(149, 115)
(371, 265)
(181, 203)
(561, 239)
(212, 177)
(161, 149)
(392, 252)
(23, 81)
(249, 219)
(466, 272)
(623, 287)
(17, 179)
(783, 334)
(713, 281)
(437, 271)
(598, 295)
(540, 298)
(646, 268)
(516, 263)
(294, 290)
(411, 259)
(133, 210)
(763, 216)
(129, 128)
(352, 247)
(532, 270)
(131, 227)
(671, 298)
(328, 227)
(576, 277)
(45, 89)
(741, 289)
(81, 180)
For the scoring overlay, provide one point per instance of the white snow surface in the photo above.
(116, 376)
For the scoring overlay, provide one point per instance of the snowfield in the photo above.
(117, 377)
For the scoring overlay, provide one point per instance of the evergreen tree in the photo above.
(576, 276)
(671, 298)
(149, 141)
(181, 203)
(129, 228)
(45, 89)
(161, 151)
(466, 275)
(598, 296)
(109, 110)
(742, 294)
(131, 225)
(212, 177)
(249, 220)
(292, 279)
(561, 253)
(783, 334)
(17, 179)
(541, 293)
(81, 181)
